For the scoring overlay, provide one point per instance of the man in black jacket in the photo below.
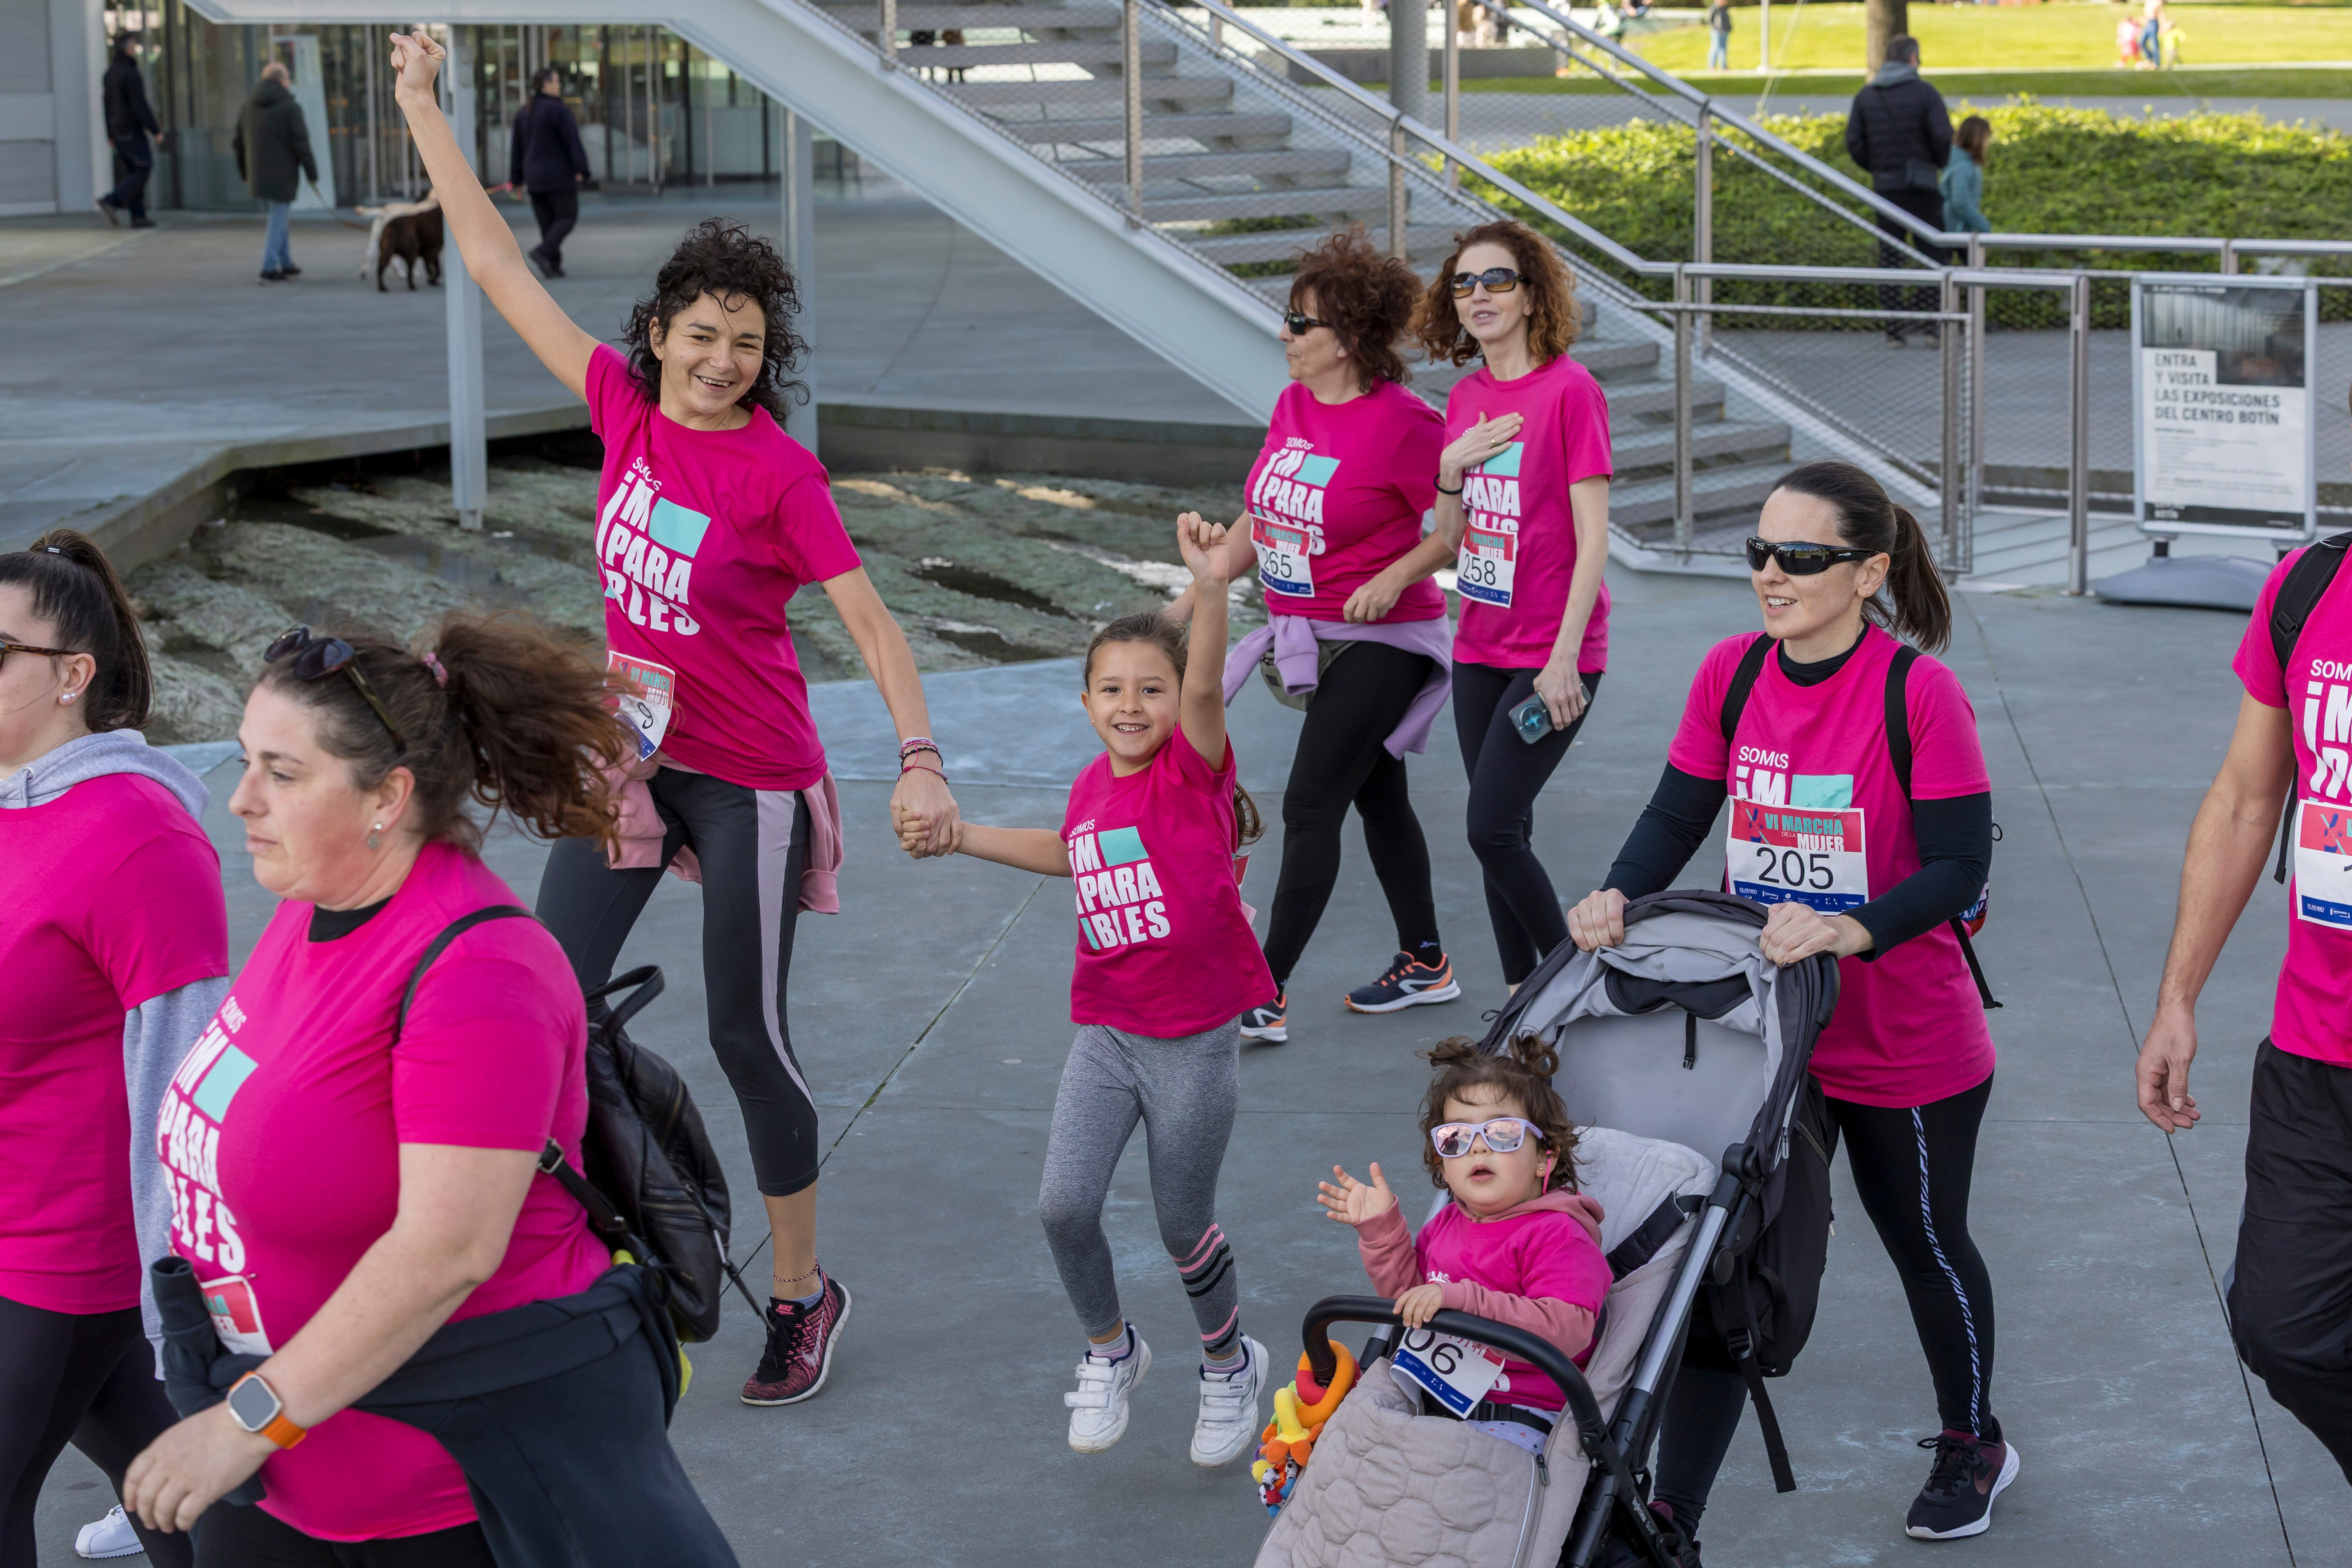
(549, 162)
(1899, 134)
(130, 126)
(273, 147)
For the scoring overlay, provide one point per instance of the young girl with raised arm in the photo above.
(1166, 967)
(1518, 1243)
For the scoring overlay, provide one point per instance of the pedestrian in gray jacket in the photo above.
(273, 151)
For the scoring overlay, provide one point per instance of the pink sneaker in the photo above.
(800, 1341)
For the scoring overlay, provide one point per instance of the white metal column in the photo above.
(799, 165)
(469, 457)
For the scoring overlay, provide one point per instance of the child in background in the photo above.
(1963, 177)
(1518, 1243)
(1166, 967)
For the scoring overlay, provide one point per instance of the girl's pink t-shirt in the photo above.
(2309, 1017)
(113, 899)
(1337, 494)
(1518, 526)
(1545, 1254)
(702, 538)
(1164, 949)
(1808, 760)
(281, 1132)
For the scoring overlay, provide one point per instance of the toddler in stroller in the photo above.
(1682, 1038)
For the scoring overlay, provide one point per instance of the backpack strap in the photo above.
(1899, 752)
(1743, 681)
(603, 1218)
(1741, 1342)
(2307, 584)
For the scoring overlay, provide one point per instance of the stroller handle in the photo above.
(1517, 1343)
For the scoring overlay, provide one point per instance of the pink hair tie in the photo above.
(440, 676)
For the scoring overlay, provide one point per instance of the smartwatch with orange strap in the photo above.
(254, 1406)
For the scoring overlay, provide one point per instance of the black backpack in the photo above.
(645, 1142)
(1899, 752)
(2307, 581)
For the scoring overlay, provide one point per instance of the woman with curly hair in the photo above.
(1333, 520)
(709, 518)
(1523, 506)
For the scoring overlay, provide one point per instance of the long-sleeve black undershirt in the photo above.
(1954, 836)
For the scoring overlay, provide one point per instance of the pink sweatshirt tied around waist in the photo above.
(638, 836)
(1537, 1265)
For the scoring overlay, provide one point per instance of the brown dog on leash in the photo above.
(413, 238)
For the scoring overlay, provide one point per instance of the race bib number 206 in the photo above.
(1456, 1373)
(1774, 856)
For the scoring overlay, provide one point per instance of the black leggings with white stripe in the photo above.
(1912, 1166)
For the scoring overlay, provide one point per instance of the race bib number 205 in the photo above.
(1774, 856)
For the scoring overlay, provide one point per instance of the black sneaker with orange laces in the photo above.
(800, 1341)
(1409, 983)
(1968, 1473)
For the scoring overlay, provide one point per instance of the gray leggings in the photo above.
(1184, 1090)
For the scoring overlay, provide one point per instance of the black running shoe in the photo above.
(801, 1342)
(1266, 1023)
(1409, 983)
(1958, 1498)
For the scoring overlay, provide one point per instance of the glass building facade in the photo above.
(653, 111)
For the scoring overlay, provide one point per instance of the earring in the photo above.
(375, 836)
(68, 697)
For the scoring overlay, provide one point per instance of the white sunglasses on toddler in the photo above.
(1504, 1134)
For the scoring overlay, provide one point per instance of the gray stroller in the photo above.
(1684, 1039)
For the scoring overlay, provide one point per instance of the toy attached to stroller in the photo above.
(1683, 1039)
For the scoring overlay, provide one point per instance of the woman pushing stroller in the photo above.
(1875, 844)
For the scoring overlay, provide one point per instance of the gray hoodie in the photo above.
(158, 1032)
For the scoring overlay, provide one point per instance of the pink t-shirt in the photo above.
(280, 1136)
(1808, 775)
(2309, 1019)
(1338, 493)
(703, 536)
(114, 899)
(1163, 947)
(1545, 1254)
(1518, 546)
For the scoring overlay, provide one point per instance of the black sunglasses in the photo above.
(317, 657)
(1800, 559)
(1497, 280)
(1301, 324)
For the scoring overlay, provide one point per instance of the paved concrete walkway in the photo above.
(932, 1016)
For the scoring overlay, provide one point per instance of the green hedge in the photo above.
(2069, 171)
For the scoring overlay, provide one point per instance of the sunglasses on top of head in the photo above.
(1497, 280)
(1800, 559)
(317, 657)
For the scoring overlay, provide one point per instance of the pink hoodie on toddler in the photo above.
(1536, 1267)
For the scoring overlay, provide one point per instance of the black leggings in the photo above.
(233, 1537)
(1912, 1168)
(84, 1378)
(1507, 774)
(1343, 760)
(751, 847)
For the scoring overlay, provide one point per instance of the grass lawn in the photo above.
(2076, 36)
(1982, 86)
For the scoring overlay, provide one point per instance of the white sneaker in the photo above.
(1098, 1408)
(1229, 1424)
(109, 1536)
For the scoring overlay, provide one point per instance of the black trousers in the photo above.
(1507, 774)
(86, 1379)
(1927, 206)
(2291, 1291)
(233, 1537)
(557, 212)
(1342, 761)
(1912, 1167)
(752, 847)
(135, 160)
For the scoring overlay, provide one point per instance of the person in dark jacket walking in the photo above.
(130, 127)
(1899, 134)
(273, 151)
(549, 163)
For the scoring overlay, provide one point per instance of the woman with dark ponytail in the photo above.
(356, 1155)
(115, 942)
(1870, 847)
